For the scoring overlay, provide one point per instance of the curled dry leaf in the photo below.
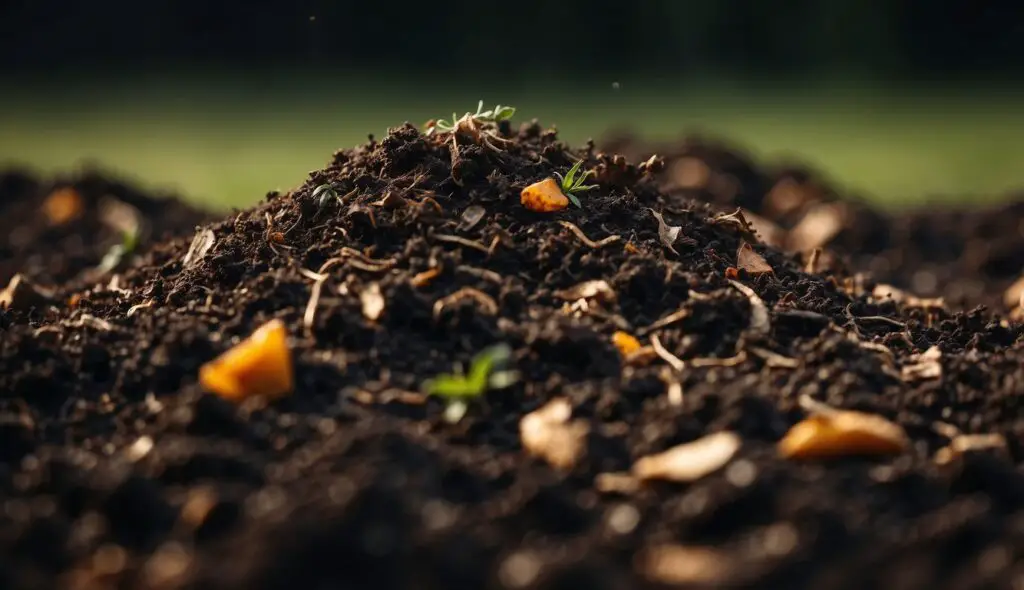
(372, 301)
(817, 228)
(690, 461)
(626, 343)
(886, 292)
(760, 324)
(597, 289)
(63, 205)
(22, 293)
(667, 234)
(201, 245)
(259, 366)
(749, 260)
(686, 566)
(832, 433)
(923, 366)
(549, 434)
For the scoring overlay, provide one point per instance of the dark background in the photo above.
(883, 39)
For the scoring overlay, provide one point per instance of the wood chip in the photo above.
(923, 366)
(576, 231)
(833, 433)
(548, 433)
(749, 260)
(372, 301)
(685, 566)
(817, 228)
(760, 324)
(597, 289)
(690, 461)
(201, 245)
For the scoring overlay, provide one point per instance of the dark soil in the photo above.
(967, 254)
(117, 470)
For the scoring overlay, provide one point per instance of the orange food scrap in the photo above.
(259, 366)
(841, 434)
(63, 205)
(626, 343)
(544, 196)
(732, 273)
(422, 279)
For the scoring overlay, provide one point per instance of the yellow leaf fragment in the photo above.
(625, 343)
(259, 366)
(690, 461)
(843, 433)
(545, 196)
(548, 433)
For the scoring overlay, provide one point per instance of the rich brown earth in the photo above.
(118, 470)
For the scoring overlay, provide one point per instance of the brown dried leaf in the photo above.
(597, 289)
(616, 483)
(923, 366)
(548, 433)
(473, 215)
(690, 173)
(391, 200)
(681, 565)
(749, 260)
(769, 233)
(841, 433)
(22, 293)
(201, 245)
(690, 461)
(817, 228)
(372, 301)
(667, 234)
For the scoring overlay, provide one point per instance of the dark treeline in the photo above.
(890, 38)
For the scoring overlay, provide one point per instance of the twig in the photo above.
(674, 361)
(587, 241)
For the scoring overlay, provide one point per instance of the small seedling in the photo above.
(571, 184)
(470, 124)
(324, 194)
(487, 371)
(112, 259)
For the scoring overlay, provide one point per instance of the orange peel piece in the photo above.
(63, 205)
(842, 434)
(259, 366)
(544, 196)
(625, 342)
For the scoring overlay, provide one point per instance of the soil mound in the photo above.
(408, 255)
(970, 255)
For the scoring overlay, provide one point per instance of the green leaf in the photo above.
(450, 386)
(570, 176)
(575, 200)
(503, 113)
(584, 188)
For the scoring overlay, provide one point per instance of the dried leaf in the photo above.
(923, 366)
(760, 324)
(690, 461)
(840, 433)
(201, 245)
(372, 301)
(667, 234)
(22, 293)
(597, 289)
(885, 292)
(473, 215)
(548, 433)
(749, 260)
(767, 231)
(817, 228)
(392, 201)
(686, 566)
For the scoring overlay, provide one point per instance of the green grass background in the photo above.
(225, 139)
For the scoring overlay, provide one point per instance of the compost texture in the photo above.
(970, 254)
(118, 470)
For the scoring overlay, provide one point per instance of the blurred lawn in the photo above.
(226, 140)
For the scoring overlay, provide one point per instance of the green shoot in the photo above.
(112, 259)
(497, 114)
(571, 184)
(324, 194)
(487, 371)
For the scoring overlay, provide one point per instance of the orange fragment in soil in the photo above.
(626, 343)
(260, 365)
(422, 279)
(544, 196)
(63, 205)
(732, 273)
(843, 434)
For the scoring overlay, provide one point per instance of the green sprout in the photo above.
(324, 194)
(112, 259)
(470, 124)
(487, 371)
(571, 184)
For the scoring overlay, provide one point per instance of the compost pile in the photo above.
(636, 323)
(968, 254)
